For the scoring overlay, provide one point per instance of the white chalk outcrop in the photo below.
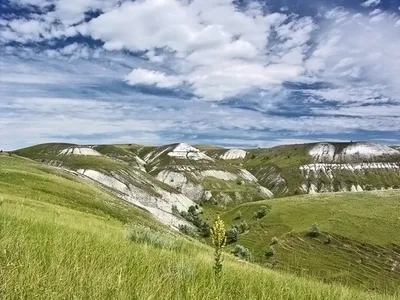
(223, 175)
(180, 182)
(80, 151)
(191, 186)
(326, 168)
(159, 202)
(234, 154)
(323, 152)
(186, 151)
(369, 150)
(326, 152)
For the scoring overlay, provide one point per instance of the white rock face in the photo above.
(247, 175)
(185, 151)
(159, 206)
(223, 175)
(234, 154)
(266, 192)
(180, 182)
(79, 151)
(369, 150)
(326, 168)
(323, 152)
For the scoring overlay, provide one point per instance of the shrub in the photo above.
(193, 217)
(270, 252)
(238, 215)
(231, 235)
(274, 240)
(192, 210)
(185, 229)
(157, 239)
(239, 182)
(204, 229)
(328, 239)
(242, 252)
(314, 231)
(243, 227)
(262, 212)
(175, 210)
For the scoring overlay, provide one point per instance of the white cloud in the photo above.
(217, 49)
(370, 3)
(359, 56)
(362, 111)
(211, 47)
(150, 77)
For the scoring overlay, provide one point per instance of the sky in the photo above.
(239, 73)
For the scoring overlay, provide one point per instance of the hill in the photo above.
(325, 167)
(357, 245)
(64, 237)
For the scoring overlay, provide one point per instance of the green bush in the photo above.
(175, 210)
(314, 231)
(193, 217)
(261, 213)
(242, 252)
(185, 229)
(231, 235)
(243, 227)
(238, 215)
(270, 252)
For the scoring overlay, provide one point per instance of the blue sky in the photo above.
(233, 73)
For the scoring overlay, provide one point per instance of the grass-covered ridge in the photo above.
(362, 228)
(279, 169)
(61, 238)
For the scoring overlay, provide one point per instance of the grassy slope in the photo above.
(364, 229)
(285, 159)
(22, 178)
(62, 239)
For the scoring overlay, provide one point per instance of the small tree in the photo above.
(232, 235)
(314, 231)
(218, 239)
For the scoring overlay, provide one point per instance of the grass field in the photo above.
(62, 238)
(364, 249)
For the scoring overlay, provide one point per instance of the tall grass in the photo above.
(42, 256)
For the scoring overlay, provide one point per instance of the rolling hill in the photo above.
(64, 236)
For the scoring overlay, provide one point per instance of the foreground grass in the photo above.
(76, 255)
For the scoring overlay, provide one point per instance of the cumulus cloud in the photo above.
(218, 50)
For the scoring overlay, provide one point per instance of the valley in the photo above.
(319, 214)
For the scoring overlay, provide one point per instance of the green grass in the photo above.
(62, 238)
(54, 252)
(21, 178)
(364, 229)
